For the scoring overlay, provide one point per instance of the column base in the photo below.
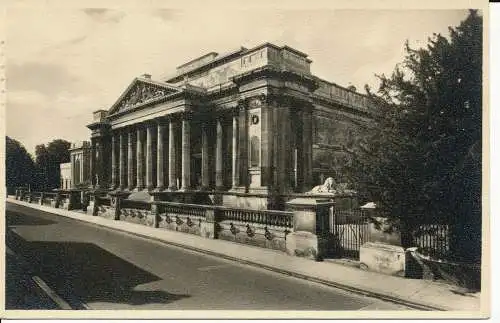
(185, 189)
(138, 189)
(159, 189)
(238, 189)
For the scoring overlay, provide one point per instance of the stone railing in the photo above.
(264, 228)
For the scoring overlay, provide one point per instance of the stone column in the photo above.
(186, 152)
(140, 160)
(130, 159)
(149, 156)
(81, 168)
(299, 160)
(172, 173)
(219, 178)
(92, 162)
(236, 157)
(243, 145)
(160, 165)
(72, 169)
(123, 160)
(307, 148)
(101, 163)
(284, 148)
(114, 168)
(205, 171)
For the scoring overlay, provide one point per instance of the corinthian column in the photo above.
(172, 173)
(219, 179)
(186, 152)
(149, 157)
(130, 161)
(123, 160)
(236, 159)
(114, 182)
(160, 185)
(307, 147)
(140, 160)
(205, 173)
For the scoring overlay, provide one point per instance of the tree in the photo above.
(19, 165)
(48, 160)
(423, 155)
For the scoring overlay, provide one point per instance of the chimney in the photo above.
(146, 76)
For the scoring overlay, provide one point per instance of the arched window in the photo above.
(254, 151)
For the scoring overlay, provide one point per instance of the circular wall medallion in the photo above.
(255, 119)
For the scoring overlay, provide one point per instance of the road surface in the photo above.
(98, 268)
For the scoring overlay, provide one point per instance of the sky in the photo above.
(64, 63)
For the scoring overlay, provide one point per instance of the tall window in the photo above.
(254, 151)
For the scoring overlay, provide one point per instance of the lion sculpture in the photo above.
(327, 187)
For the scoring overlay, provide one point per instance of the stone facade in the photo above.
(65, 171)
(245, 127)
(80, 154)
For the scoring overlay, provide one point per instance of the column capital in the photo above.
(186, 115)
(162, 121)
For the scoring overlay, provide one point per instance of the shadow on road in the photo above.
(87, 273)
(17, 219)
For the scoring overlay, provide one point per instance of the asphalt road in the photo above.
(103, 269)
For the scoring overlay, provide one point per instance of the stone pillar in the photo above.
(130, 159)
(243, 145)
(160, 165)
(123, 160)
(149, 156)
(186, 152)
(101, 162)
(114, 168)
(307, 148)
(205, 171)
(172, 156)
(219, 178)
(140, 160)
(236, 159)
(284, 149)
(267, 145)
(92, 162)
(311, 236)
(81, 168)
(299, 160)
(72, 169)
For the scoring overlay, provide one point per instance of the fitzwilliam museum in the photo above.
(251, 128)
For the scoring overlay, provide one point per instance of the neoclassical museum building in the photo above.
(251, 126)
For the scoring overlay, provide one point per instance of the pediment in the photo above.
(139, 92)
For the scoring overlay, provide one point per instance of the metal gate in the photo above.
(350, 228)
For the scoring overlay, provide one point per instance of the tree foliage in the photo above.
(19, 165)
(48, 160)
(421, 160)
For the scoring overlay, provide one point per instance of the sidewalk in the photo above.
(415, 293)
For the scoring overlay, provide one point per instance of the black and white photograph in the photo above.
(245, 160)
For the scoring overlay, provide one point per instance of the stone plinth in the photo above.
(383, 258)
(310, 237)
